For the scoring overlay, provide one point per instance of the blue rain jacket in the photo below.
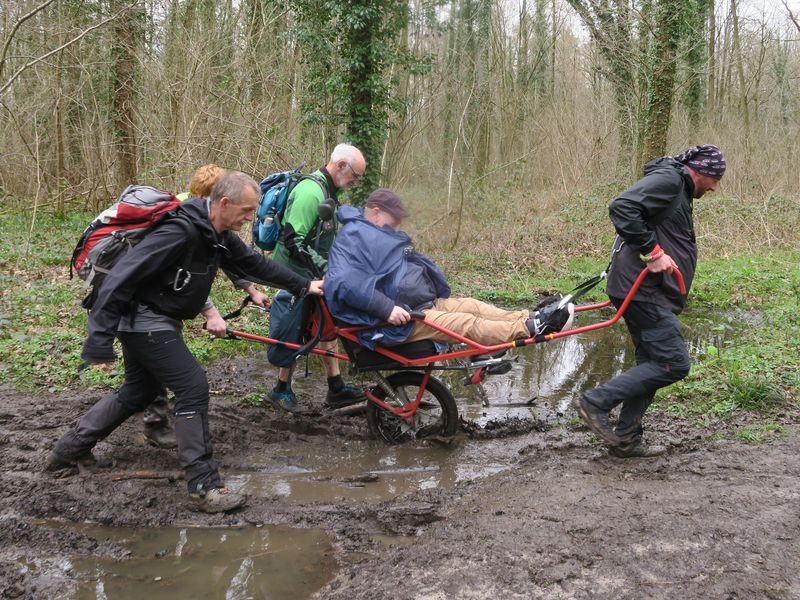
(365, 267)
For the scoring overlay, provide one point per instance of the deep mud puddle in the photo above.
(370, 472)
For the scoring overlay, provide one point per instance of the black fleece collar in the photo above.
(329, 181)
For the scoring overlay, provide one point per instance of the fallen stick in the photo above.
(121, 476)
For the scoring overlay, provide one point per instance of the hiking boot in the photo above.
(596, 419)
(346, 396)
(216, 500)
(74, 448)
(636, 449)
(58, 461)
(283, 400)
(160, 435)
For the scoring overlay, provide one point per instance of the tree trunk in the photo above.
(59, 116)
(696, 61)
(124, 46)
(659, 106)
(711, 86)
(553, 38)
(643, 78)
(737, 52)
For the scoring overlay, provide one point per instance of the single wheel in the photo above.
(437, 413)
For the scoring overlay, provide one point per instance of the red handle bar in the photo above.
(620, 311)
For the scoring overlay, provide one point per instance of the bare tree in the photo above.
(659, 105)
(126, 42)
(792, 16)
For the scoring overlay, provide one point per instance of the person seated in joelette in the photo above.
(375, 276)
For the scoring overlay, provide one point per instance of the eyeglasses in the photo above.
(358, 176)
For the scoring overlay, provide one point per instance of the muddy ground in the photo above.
(712, 519)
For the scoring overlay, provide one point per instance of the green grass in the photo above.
(42, 323)
(757, 369)
(255, 398)
(760, 433)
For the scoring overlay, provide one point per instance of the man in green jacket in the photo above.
(306, 239)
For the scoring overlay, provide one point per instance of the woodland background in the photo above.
(459, 101)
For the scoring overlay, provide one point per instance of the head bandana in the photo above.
(706, 159)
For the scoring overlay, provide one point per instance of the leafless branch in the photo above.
(791, 15)
(66, 44)
(16, 26)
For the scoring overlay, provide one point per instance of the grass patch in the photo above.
(255, 398)
(759, 433)
(757, 368)
(751, 374)
(42, 323)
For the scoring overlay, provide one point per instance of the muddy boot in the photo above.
(596, 419)
(637, 449)
(157, 429)
(346, 395)
(216, 500)
(195, 452)
(160, 435)
(75, 447)
(87, 461)
(283, 399)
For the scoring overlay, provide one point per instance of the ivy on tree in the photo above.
(352, 53)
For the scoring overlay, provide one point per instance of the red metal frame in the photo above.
(407, 411)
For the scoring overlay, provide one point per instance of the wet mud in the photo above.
(510, 508)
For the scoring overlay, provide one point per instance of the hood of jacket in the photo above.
(196, 211)
(668, 166)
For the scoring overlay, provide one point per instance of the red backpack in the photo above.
(118, 229)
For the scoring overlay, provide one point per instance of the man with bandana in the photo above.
(653, 220)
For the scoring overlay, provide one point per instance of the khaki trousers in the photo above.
(475, 320)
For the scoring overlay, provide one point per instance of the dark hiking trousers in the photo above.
(661, 359)
(158, 360)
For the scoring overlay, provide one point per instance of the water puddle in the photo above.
(369, 472)
(546, 377)
(540, 386)
(235, 564)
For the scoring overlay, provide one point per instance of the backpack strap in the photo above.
(314, 230)
(193, 239)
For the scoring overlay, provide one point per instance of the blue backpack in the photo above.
(275, 190)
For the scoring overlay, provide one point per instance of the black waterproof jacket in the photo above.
(657, 209)
(146, 275)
